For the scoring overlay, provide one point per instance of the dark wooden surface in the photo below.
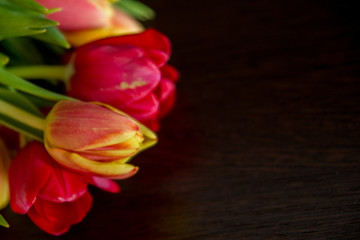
(264, 142)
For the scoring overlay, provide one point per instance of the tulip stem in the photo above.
(40, 71)
(22, 116)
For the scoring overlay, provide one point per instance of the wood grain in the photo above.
(264, 142)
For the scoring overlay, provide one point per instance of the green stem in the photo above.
(22, 116)
(39, 71)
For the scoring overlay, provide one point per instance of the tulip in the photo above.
(94, 138)
(83, 21)
(127, 72)
(54, 197)
(4, 183)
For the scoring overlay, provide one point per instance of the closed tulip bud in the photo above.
(128, 72)
(95, 138)
(83, 21)
(80, 14)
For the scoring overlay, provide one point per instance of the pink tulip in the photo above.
(94, 139)
(83, 21)
(80, 14)
(127, 72)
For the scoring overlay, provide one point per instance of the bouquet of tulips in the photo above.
(82, 88)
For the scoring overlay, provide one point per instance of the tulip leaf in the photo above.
(32, 5)
(53, 35)
(21, 127)
(27, 18)
(20, 84)
(16, 20)
(137, 9)
(3, 222)
(19, 100)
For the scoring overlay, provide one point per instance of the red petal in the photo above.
(146, 108)
(169, 72)
(33, 174)
(149, 39)
(28, 174)
(57, 218)
(114, 75)
(166, 94)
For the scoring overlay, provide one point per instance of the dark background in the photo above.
(264, 142)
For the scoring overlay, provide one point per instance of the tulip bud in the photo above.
(120, 24)
(4, 182)
(95, 138)
(83, 21)
(127, 72)
(80, 14)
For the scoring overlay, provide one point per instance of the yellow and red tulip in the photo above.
(95, 138)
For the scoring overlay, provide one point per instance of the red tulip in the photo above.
(127, 72)
(53, 196)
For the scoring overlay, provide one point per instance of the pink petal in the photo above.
(79, 14)
(105, 184)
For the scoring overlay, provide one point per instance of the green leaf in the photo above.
(137, 9)
(20, 84)
(20, 101)
(32, 5)
(21, 127)
(16, 20)
(53, 35)
(3, 222)
(25, 18)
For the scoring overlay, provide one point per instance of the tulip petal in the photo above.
(169, 72)
(149, 136)
(146, 108)
(24, 184)
(80, 14)
(114, 169)
(80, 126)
(34, 174)
(124, 77)
(57, 218)
(105, 184)
(149, 39)
(166, 95)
